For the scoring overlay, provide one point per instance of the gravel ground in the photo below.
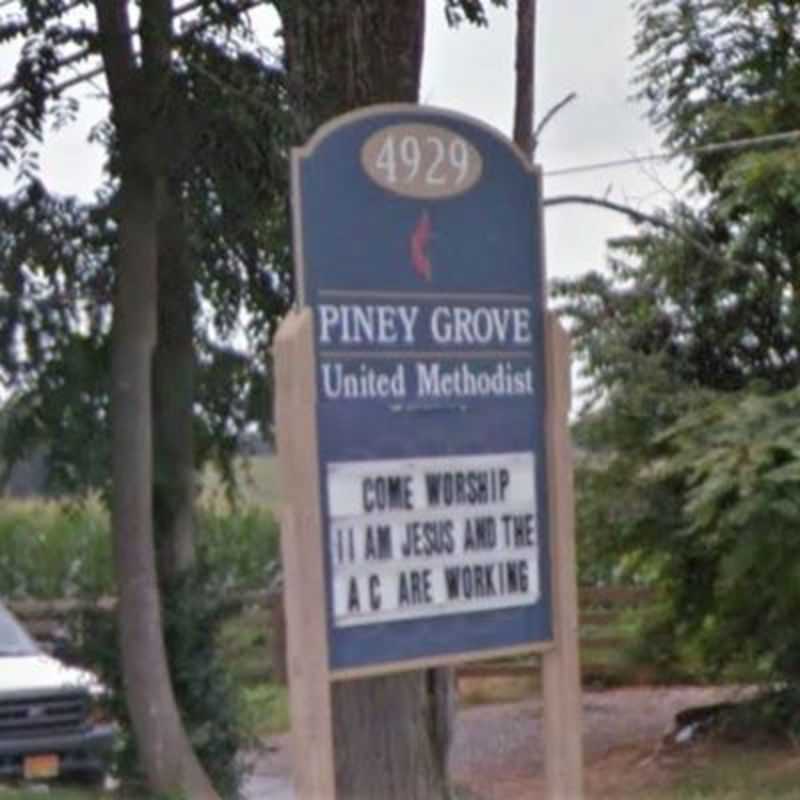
(498, 751)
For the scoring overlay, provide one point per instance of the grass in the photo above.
(51, 792)
(259, 485)
(48, 549)
(266, 709)
(245, 644)
(490, 690)
(603, 667)
(717, 772)
(247, 648)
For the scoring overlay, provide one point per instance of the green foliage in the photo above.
(718, 70)
(661, 648)
(739, 459)
(55, 287)
(730, 773)
(265, 709)
(52, 550)
(256, 485)
(242, 547)
(209, 700)
(689, 342)
(227, 154)
(704, 505)
(49, 550)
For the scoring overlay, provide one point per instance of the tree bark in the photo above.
(173, 396)
(524, 85)
(137, 93)
(344, 54)
(392, 733)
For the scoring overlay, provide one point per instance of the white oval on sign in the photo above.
(418, 160)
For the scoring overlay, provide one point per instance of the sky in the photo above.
(583, 46)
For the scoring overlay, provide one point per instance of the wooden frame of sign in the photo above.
(301, 544)
(416, 176)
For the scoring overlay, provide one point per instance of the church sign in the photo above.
(419, 256)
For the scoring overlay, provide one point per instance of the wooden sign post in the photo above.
(561, 673)
(422, 393)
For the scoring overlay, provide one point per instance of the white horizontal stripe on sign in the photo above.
(363, 543)
(392, 593)
(419, 538)
(381, 487)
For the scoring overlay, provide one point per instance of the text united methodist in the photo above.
(471, 351)
(345, 381)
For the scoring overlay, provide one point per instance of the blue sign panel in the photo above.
(419, 250)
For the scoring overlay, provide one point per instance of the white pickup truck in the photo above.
(48, 713)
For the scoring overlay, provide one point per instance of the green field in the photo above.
(53, 792)
(733, 773)
(258, 484)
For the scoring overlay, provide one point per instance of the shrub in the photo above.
(58, 550)
(209, 700)
(49, 549)
(241, 548)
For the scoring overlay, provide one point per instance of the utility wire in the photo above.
(248, 5)
(713, 147)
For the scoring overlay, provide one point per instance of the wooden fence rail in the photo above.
(601, 616)
(602, 610)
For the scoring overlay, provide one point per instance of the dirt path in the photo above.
(498, 750)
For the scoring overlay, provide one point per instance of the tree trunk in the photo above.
(524, 83)
(392, 736)
(165, 753)
(344, 54)
(392, 733)
(173, 395)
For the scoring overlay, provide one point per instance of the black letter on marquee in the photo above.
(366, 486)
(353, 602)
(505, 479)
(374, 592)
(403, 594)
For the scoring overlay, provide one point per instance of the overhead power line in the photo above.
(248, 5)
(668, 155)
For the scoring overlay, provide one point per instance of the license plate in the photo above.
(43, 766)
